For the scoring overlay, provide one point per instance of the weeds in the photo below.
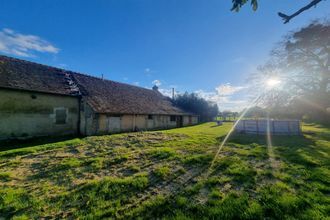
(162, 172)
(162, 152)
(5, 176)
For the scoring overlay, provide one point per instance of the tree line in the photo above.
(192, 103)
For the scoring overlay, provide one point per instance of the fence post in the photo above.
(257, 125)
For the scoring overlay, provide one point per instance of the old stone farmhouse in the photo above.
(38, 100)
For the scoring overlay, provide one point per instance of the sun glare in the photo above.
(271, 83)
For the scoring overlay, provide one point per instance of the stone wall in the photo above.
(25, 114)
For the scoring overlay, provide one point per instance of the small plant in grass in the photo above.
(134, 168)
(70, 163)
(141, 180)
(162, 152)
(162, 172)
(95, 163)
(181, 201)
(5, 176)
(14, 163)
(215, 194)
(21, 217)
(116, 159)
(198, 159)
(217, 180)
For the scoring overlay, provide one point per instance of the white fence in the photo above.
(277, 127)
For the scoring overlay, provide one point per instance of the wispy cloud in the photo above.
(166, 92)
(156, 82)
(24, 45)
(227, 97)
(227, 89)
(136, 83)
(149, 72)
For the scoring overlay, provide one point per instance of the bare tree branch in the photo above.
(287, 18)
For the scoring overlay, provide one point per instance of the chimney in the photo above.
(155, 88)
(172, 93)
(102, 77)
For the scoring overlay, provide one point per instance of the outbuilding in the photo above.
(39, 100)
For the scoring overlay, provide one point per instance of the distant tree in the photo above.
(237, 4)
(302, 63)
(235, 114)
(220, 116)
(281, 112)
(197, 105)
(256, 112)
(226, 115)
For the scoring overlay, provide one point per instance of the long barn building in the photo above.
(38, 100)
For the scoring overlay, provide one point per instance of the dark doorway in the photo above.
(179, 121)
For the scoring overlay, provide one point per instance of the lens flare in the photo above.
(210, 168)
(271, 83)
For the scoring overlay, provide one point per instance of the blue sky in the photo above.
(192, 45)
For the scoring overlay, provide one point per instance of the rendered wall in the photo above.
(137, 123)
(186, 120)
(127, 122)
(88, 119)
(29, 114)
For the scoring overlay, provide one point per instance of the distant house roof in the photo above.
(104, 96)
(25, 75)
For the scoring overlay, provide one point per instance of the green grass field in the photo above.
(163, 175)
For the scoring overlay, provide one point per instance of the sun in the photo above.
(273, 82)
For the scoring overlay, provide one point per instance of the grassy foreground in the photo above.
(163, 175)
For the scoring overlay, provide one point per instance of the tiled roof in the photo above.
(106, 96)
(25, 75)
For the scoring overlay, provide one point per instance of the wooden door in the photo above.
(114, 124)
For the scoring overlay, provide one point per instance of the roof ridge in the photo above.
(110, 80)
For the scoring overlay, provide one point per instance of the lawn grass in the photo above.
(163, 175)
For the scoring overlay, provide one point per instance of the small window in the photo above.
(60, 116)
(173, 118)
(150, 117)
